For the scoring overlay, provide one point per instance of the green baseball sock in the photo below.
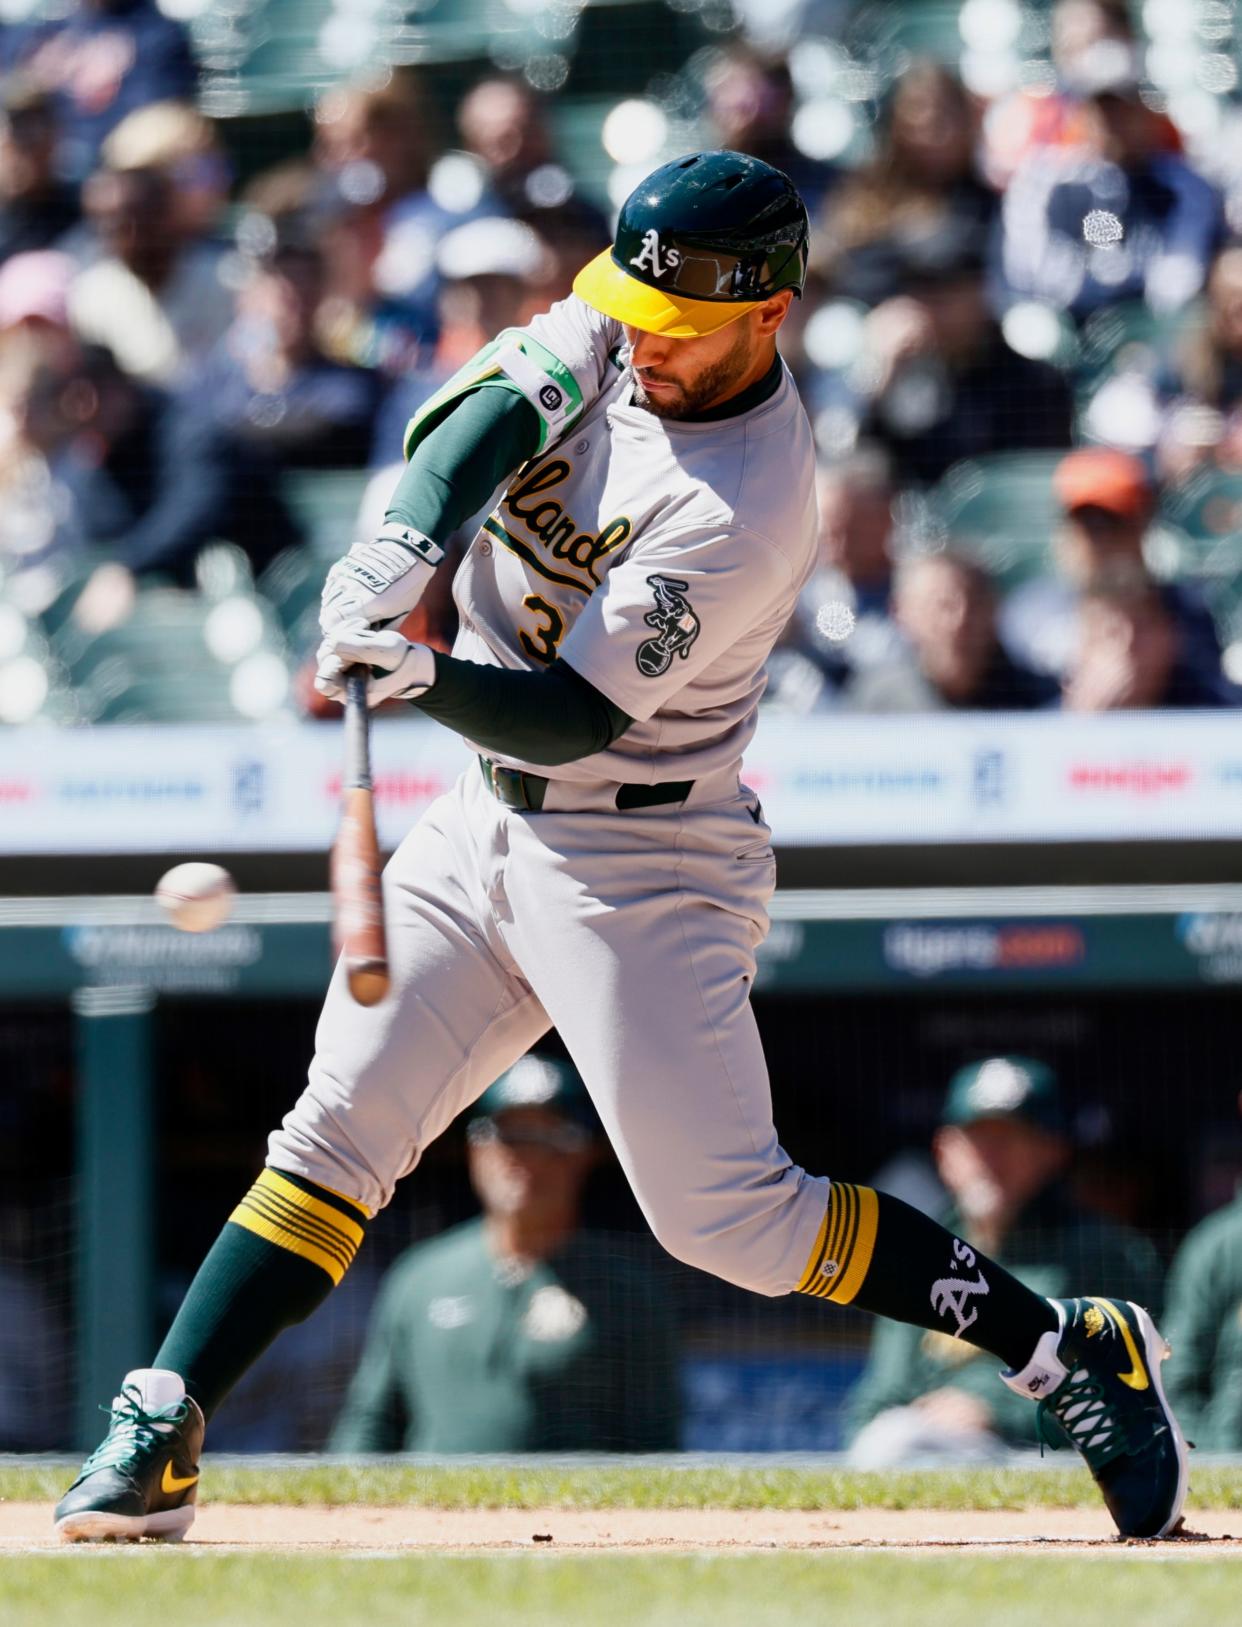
(283, 1249)
(885, 1256)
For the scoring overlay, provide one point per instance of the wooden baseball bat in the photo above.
(357, 898)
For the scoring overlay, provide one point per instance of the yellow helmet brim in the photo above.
(603, 285)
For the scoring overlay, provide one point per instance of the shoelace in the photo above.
(1081, 1410)
(132, 1431)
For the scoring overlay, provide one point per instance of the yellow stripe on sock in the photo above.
(842, 1254)
(271, 1233)
(283, 1214)
(300, 1220)
(853, 1272)
(257, 1205)
(817, 1254)
(279, 1187)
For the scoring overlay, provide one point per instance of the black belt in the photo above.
(518, 790)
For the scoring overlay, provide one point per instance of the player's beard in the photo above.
(709, 388)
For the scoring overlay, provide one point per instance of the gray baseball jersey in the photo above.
(660, 559)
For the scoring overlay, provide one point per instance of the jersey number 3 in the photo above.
(540, 644)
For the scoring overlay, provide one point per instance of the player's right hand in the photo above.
(378, 581)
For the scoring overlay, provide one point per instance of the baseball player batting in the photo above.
(600, 866)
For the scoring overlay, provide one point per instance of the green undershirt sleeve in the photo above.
(458, 465)
(549, 717)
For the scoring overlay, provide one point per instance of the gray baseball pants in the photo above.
(634, 934)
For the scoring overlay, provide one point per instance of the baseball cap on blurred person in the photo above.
(1006, 1087)
(1098, 477)
(161, 134)
(539, 1081)
(494, 246)
(35, 287)
(1110, 67)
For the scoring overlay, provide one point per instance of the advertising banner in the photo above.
(824, 781)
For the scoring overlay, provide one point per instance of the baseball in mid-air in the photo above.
(196, 897)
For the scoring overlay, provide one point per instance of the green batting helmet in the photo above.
(538, 1081)
(699, 243)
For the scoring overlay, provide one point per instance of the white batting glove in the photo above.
(396, 669)
(379, 581)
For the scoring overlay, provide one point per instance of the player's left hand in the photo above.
(398, 670)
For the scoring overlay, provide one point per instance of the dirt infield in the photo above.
(236, 1528)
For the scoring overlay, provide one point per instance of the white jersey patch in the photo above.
(659, 559)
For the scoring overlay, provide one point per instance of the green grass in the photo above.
(636, 1485)
(136, 1588)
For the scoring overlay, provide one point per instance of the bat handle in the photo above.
(357, 732)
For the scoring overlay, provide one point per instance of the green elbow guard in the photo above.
(512, 361)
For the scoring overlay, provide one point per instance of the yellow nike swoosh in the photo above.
(172, 1483)
(1136, 1378)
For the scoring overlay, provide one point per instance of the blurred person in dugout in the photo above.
(36, 555)
(1117, 218)
(100, 59)
(1190, 407)
(518, 1331)
(38, 207)
(842, 622)
(184, 146)
(1129, 653)
(374, 147)
(491, 275)
(944, 607)
(1106, 502)
(921, 183)
(159, 300)
(1032, 120)
(1002, 1151)
(268, 381)
(750, 104)
(935, 381)
(1204, 1316)
(111, 468)
(503, 123)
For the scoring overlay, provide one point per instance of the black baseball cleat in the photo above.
(1098, 1377)
(142, 1480)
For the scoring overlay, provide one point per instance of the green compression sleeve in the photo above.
(457, 466)
(549, 717)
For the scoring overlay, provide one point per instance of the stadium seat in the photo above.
(185, 698)
(881, 32)
(1001, 510)
(1129, 335)
(292, 584)
(1200, 537)
(163, 632)
(325, 504)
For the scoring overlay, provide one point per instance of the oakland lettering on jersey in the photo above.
(557, 529)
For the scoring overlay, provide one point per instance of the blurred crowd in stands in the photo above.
(1020, 347)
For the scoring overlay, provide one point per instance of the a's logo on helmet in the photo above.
(661, 261)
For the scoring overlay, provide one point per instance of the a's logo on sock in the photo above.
(1093, 1320)
(953, 1295)
(829, 1268)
